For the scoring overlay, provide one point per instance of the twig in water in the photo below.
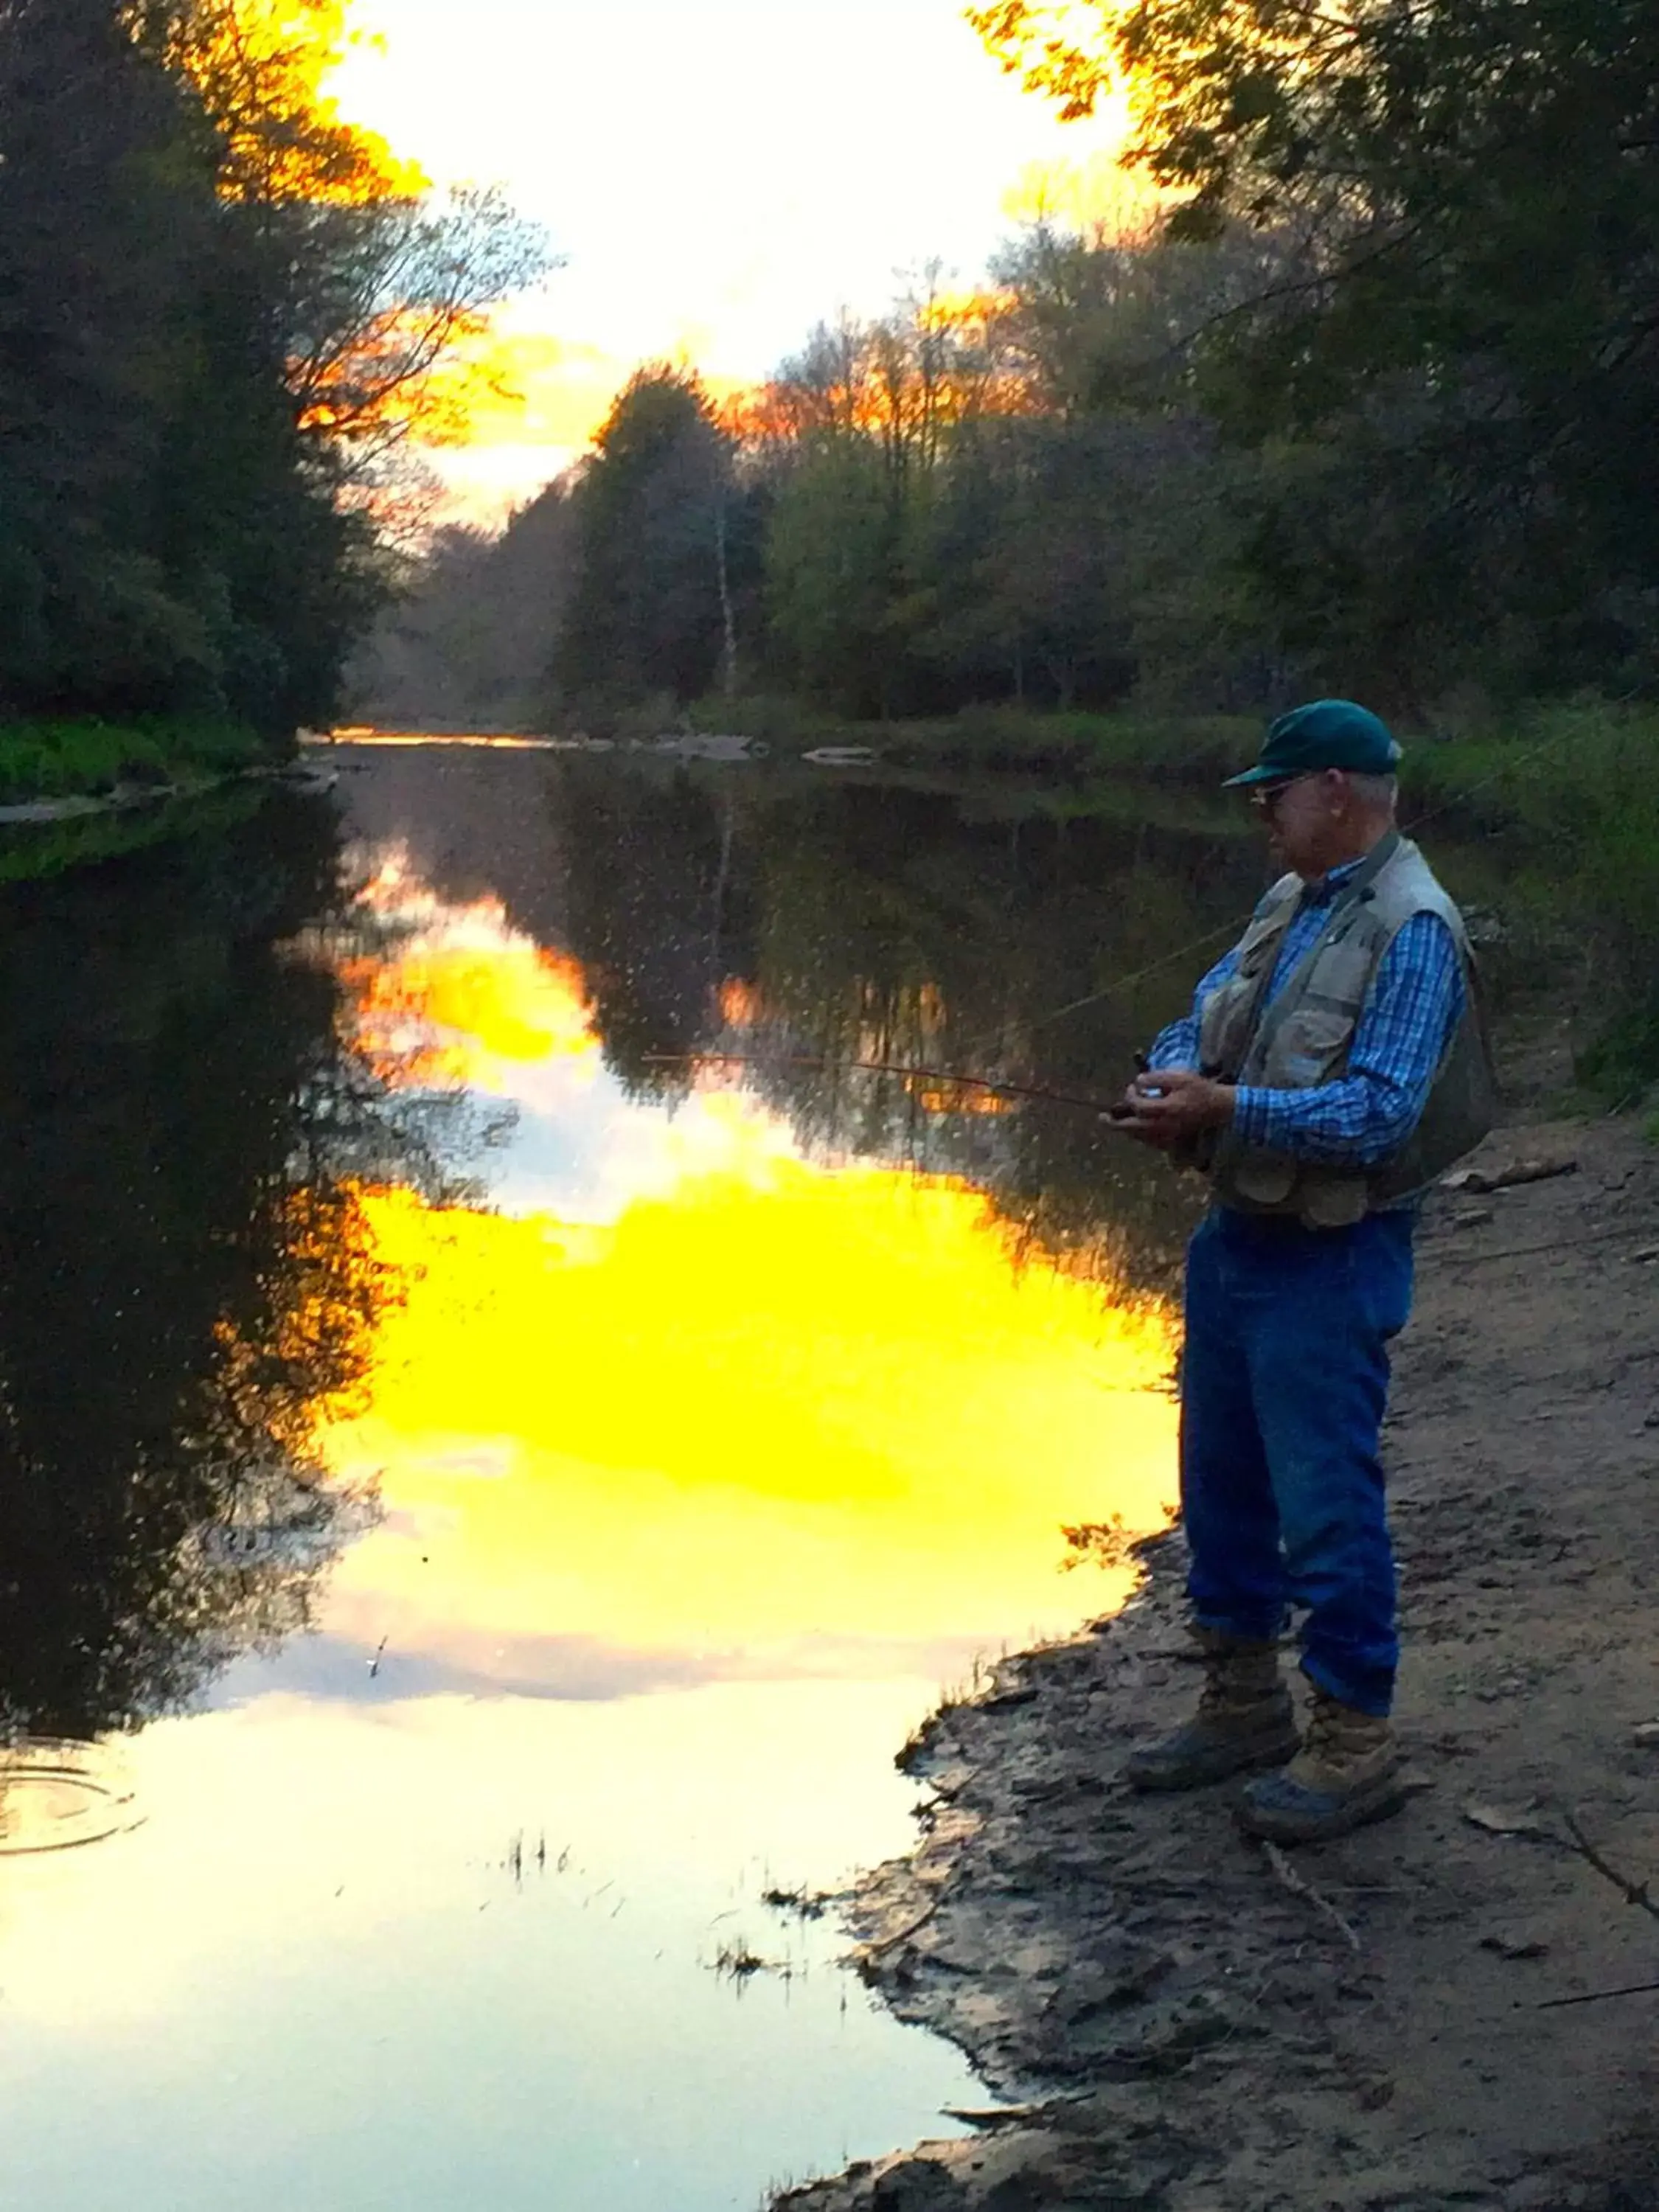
(1299, 1886)
(736, 1962)
(805, 1903)
(1634, 1892)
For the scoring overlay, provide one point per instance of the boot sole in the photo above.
(1222, 1766)
(1382, 1802)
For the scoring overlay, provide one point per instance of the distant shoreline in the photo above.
(56, 770)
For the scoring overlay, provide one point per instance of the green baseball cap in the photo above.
(1329, 733)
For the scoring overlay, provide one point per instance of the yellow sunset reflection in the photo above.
(461, 996)
(691, 1408)
(783, 1417)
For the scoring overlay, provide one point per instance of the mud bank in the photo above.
(134, 798)
(1179, 2021)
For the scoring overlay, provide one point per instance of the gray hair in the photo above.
(1378, 794)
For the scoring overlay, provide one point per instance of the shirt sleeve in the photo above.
(1403, 1030)
(1178, 1045)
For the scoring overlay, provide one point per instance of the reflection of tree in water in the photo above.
(852, 922)
(183, 1275)
(660, 906)
(374, 1113)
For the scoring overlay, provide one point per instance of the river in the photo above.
(504, 1434)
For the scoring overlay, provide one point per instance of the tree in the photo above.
(646, 616)
(221, 308)
(381, 287)
(1447, 315)
(105, 209)
(467, 642)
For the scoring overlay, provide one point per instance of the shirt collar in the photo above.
(1322, 892)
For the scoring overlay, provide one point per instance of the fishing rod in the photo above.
(1109, 1109)
(1523, 757)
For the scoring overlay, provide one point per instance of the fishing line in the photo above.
(1228, 929)
(1120, 984)
(911, 1074)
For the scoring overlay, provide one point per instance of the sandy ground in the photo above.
(1179, 2021)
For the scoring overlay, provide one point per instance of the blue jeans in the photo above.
(1284, 1378)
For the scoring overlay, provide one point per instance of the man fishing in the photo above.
(1332, 1065)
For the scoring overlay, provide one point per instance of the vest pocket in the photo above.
(1264, 1178)
(1345, 969)
(1310, 1048)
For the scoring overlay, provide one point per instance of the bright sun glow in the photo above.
(719, 179)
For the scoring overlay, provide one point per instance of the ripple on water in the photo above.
(56, 1794)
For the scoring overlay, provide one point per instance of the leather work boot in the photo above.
(1244, 1719)
(1346, 1773)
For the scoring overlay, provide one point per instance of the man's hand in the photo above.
(1170, 1104)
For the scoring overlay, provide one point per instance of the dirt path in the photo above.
(1189, 2025)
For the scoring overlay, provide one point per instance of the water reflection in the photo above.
(713, 1390)
(57, 1795)
(814, 922)
(426, 1419)
(172, 1307)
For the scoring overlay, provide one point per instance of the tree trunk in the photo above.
(729, 649)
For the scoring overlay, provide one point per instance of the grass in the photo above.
(1158, 749)
(1588, 750)
(30, 852)
(88, 758)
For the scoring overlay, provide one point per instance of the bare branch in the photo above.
(1299, 1886)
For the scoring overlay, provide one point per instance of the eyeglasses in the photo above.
(1266, 797)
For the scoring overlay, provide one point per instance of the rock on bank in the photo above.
(1177, 2019)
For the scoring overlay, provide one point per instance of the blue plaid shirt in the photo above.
(1402, 1036)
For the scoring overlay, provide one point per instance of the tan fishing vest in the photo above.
(1305, 1035)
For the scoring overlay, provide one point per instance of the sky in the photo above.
(718, 176)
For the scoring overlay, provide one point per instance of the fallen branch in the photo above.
(1505, 1174)
(1299, 1886)
(1598, 1996)
(1553, 1245)
(1634, 1892)
(890, 1943)
(1005, 2115)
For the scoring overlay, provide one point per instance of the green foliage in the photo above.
(163, 546)
(59, 759)
(1369, 414)
(834, 601)
(1465, 349)
(34, 853)
(209, 333)
(656, 553)
(465, 644)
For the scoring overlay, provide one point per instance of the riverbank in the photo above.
(1181, 2022)
(1501, 760)
(46, 767)
(97, 791)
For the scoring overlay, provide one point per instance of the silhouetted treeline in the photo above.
(215, 301)
(1372, 410)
